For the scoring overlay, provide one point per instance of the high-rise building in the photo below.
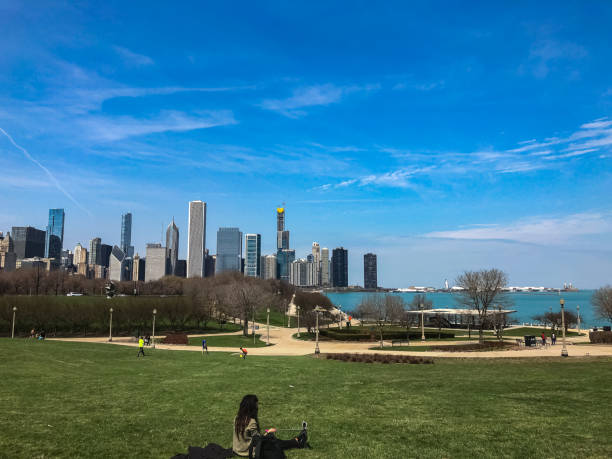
(80, 255)
(209, 264)
(370, 271)
(181, 268)
(340, 267)
(29, 242)
(157, 262)
(126, 235)
(67, 260)
(269, 267)
(138, 268)
(325, 281)
(119, 267)
(8, 257)
(94, 251)
(252, 246)
(196, 239)
(316, 260)
(302, 272)
(105, 251)
(54, 240)
(172, 244)
(284, 258)
(282, 236)
(229, 250)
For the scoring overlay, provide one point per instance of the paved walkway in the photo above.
(286, 345)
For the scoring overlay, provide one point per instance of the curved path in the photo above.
(286, 345)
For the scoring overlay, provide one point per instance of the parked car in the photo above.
(74, 294)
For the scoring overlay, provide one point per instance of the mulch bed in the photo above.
(379, 358)
(176, 338)
(486, 346)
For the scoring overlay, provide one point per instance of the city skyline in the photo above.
(490, 147)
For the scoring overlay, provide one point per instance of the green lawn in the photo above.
(522, 331)
(277, 319)
(98, 400)
(228, 341)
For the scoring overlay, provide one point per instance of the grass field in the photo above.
(98, 400)
(234, 341)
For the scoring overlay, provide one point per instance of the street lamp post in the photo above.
(153, 338)
(578, 313)
(268, 325)
(564, 350)
(422, 322)
(110, 325)
(253, 325)
(317, 309)
(13, 329)
(298, 319)
(340, 309)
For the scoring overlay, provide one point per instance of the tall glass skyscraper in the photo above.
(340, 267)
(126, 235)
(54, 239)
(95, 256)
(370, 271)
(229, 250)
(172, 244)
(252, 246)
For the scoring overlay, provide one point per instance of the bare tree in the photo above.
(602, 300)
(246, 296)
(382, 310)
(481, 290)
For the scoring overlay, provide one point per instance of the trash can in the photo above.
(530, 340)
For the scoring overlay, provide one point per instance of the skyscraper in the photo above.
(325, 267)
(284, 258)
(80, 255)
(95, 256)
(119, 268)
(282, 236)
(196, 239)
(229, 250)
(172, 244)
(316, 260)
(370, 276)
(252, 246)
(126, 235)
(55, 234)
(340, 267)
(156, 265)
(28, 242)
(269, 267)
(105, 251)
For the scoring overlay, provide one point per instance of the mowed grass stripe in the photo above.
(75, 399)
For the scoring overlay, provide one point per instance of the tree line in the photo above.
(181, 304)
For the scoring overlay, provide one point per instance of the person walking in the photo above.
(140, 347)
(244, 352)
(553, 338)
(204, 346)
(543, 339)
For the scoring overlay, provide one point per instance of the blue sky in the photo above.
(442, 136)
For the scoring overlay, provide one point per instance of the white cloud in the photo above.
(117, 128)
(535, 230)
(131, 58)
(310, 96)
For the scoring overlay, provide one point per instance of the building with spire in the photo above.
(172, 244)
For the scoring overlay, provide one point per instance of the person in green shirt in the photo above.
(141, 347)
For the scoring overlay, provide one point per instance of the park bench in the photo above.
(400, 342)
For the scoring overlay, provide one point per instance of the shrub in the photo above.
(379, 358)
(600, 337)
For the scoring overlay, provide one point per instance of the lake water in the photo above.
(526, 304)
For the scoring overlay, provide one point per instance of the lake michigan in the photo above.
(526, 304)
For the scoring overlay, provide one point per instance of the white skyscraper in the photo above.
(316, 261)
(196, 240)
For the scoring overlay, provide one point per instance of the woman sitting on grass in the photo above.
(246, 426)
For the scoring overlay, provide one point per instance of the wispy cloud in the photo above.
(131, 58)
(547, 54)
(311, 96)
(401, 178)
(117, 128)
(50, 175)
(535, 230)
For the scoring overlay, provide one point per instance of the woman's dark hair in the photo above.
(246, 412)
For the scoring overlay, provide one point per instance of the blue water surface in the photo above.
(526, 304)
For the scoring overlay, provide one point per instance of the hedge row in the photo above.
(366, 335)
(379, 358)
(601, 337)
